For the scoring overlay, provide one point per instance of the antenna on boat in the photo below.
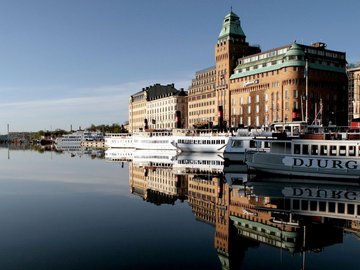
(306, 91)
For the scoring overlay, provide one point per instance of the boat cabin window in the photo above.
(296, 148)
(252, 144)
(322, 206)
(333, 150)
(341, 208)
(331, 206)
(314, 150)
(305, 149)
(352, 151)
(342, 150)
(350, 209)
(236, 144)
(358, 209)
(323, 150)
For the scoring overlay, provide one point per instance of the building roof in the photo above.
(295, 50)
(231, 26)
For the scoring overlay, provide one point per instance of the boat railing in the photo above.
(201, 132)
(118, 135)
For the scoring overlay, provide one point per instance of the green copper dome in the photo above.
(295, 50)
(231, 26)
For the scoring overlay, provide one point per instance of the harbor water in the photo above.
(62, 210)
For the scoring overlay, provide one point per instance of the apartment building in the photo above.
(289, 83)
(158, 106)
(354, 91)
(209, 92)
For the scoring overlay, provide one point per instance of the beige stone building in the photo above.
(253, 88)
(209, 92)
(158, 107)
(289, 83)
(354, 92)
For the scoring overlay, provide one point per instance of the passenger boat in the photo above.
(315, 155)
(184, 140)
(200, 140)
(118, 140)
(242, 143)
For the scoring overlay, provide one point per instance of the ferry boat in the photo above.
(243, 143)
(200, 140)
(182, 140)
(118, 140)
(316, 155)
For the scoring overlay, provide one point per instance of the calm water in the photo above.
(80, 212)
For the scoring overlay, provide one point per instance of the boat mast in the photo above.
(306, 91)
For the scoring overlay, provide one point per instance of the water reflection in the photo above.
(294, 216)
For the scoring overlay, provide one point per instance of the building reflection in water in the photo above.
(292, 215)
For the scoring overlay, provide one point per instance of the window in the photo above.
(257, 98)
(305, 149)
(323, 150)
(249, 99)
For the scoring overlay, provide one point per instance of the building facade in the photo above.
(158, 106)
(354, 92)
(253, 88)
(291, 83)
(209, 93)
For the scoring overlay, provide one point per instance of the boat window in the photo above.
(304, 205)
(314, 150)
(267, 144)
(322, 206)
(358, 209)
(296, 148)
(323, 150)
(350, 209)
(333, 150)
(252, 144)
(331, 207)
(296, 205)
(288, 148)
(236, 144)
(341, 208)
(305, 149)
(342, 150)
(313, 205)
(352, 150)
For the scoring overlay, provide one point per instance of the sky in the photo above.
(73, 63)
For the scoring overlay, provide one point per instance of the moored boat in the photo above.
(323, 156)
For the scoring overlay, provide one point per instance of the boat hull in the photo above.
(311, 166)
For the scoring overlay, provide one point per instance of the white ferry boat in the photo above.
(316, 155)
(69, 140)
(184, 140)
(75, 139)
(243, 143)
(200, 140)
(118, 140)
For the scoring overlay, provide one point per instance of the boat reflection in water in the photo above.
(292, 215)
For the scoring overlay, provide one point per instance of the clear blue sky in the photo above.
(76, 62)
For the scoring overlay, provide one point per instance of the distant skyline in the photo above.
(76, 62)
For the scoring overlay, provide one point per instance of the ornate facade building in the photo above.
(209, 93)
(158, 106)
(291, 83)
(253, 88)
(354, 92)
